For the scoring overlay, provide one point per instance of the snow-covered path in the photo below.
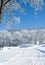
(23, 55)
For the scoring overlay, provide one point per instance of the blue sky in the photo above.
(28, 20)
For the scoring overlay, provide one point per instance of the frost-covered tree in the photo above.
(8, 8)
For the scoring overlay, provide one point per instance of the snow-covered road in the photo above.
(23, 55)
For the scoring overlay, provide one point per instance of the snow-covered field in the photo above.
(23, 55)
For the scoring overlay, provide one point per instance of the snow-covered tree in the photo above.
(9, 7)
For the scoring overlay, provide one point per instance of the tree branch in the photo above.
(1, 6)
(7, 2)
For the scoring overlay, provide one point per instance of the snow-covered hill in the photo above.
(27, 47)
(23, 55)
(16, 37)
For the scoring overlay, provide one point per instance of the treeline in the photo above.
(16, 38)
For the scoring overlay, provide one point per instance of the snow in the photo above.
(28, 47)
(19, 36)
(23, 55)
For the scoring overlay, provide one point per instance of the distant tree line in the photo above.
(22, 37)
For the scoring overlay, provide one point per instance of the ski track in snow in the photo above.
(23, 56)
(9, 55)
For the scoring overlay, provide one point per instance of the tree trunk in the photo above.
(1, 5)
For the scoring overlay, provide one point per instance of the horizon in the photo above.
(33, 28)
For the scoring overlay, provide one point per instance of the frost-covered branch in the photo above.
(6, 7)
